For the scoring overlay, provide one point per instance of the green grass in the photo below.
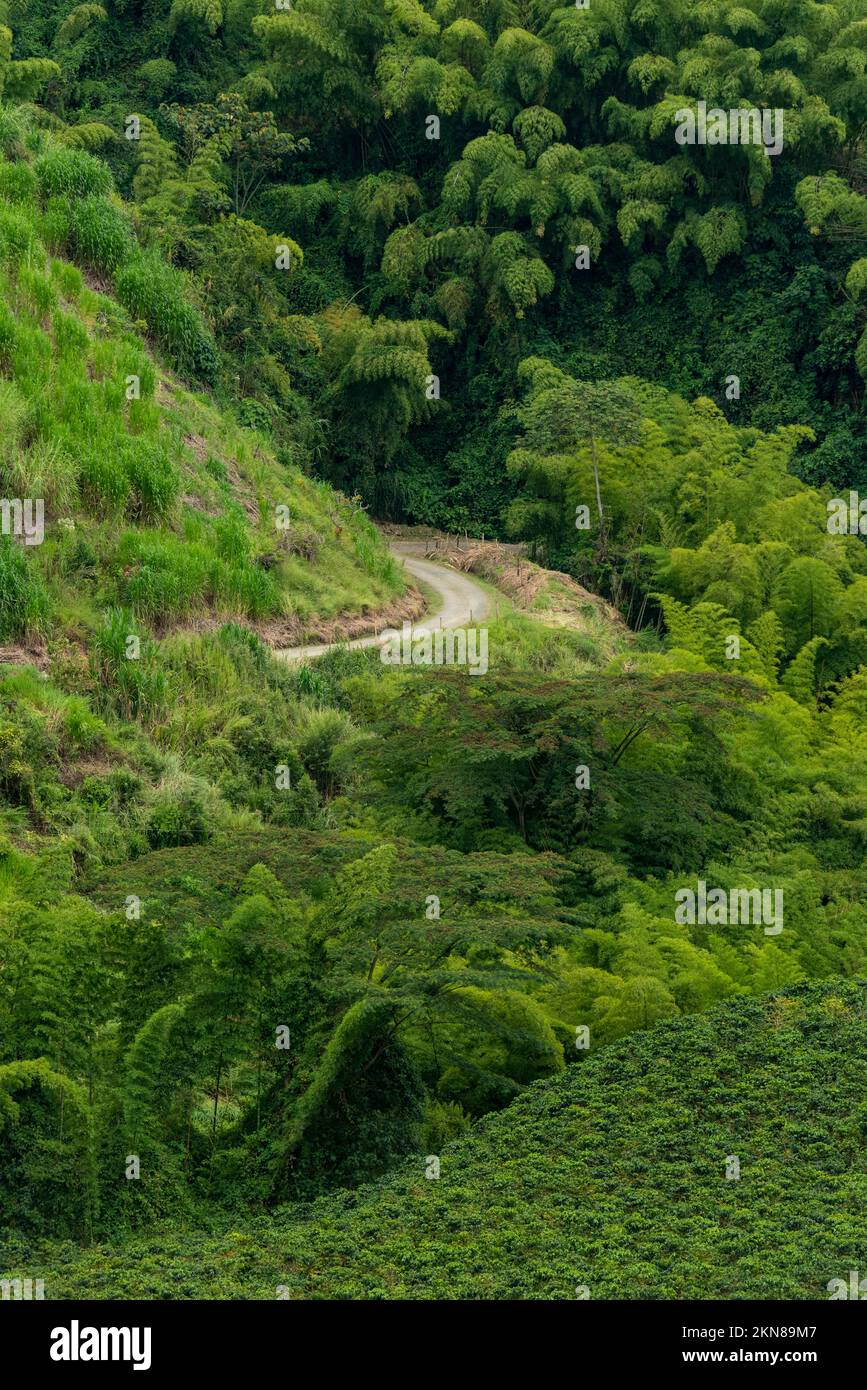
(156, 500)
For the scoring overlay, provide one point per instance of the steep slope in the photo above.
(139, 494)
(457, 602)
(609, 1182)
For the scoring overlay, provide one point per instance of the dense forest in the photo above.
(324, 976)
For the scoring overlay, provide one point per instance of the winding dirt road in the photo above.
(461, 601)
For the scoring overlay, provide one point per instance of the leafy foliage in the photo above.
(276, 931)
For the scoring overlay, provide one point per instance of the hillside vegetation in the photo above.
(278, 939)
(609, 1182)
(159, 510)
(435, 168)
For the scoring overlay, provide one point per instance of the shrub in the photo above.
(444, 1121)
(82, 731)
(13, 128)
(73, 172)
(178, 817)
(24, 604)
(154, 481)
(17, 183)
(158, 74)
(320, 732)
(48, 1173)
(100, 235)
(154, 292)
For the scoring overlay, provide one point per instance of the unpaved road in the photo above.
(461, 601)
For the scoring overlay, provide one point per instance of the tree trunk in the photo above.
(596, 477)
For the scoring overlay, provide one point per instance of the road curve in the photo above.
(461, 601)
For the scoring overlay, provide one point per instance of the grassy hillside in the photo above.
(156, 502)
(274, 937)
(611, 1177)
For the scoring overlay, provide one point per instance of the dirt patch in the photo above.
(73, 774)
(553, 597)
(24, 656)
(190, 500)
(344, 627)
(241, 489)
(291, 631)
(100, 284)
(199, 445)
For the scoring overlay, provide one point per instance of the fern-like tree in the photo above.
(564, 416)
(252, 147)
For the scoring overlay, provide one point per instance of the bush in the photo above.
(100, 235)
(17, 242)
(158, 74)
(154, 292)
(24, 603)
(13, 128)
(444, 1121)
(82, 731)
(17, 183)
(153, 480)
(73, 172)
(48, 1174)
(178, 817)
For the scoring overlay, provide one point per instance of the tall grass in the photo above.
(24, 601)
(73, 172)
(17, 183)
(164, 526)
(100, 234)
(163, 577)
(154, 292)
(130, 685)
